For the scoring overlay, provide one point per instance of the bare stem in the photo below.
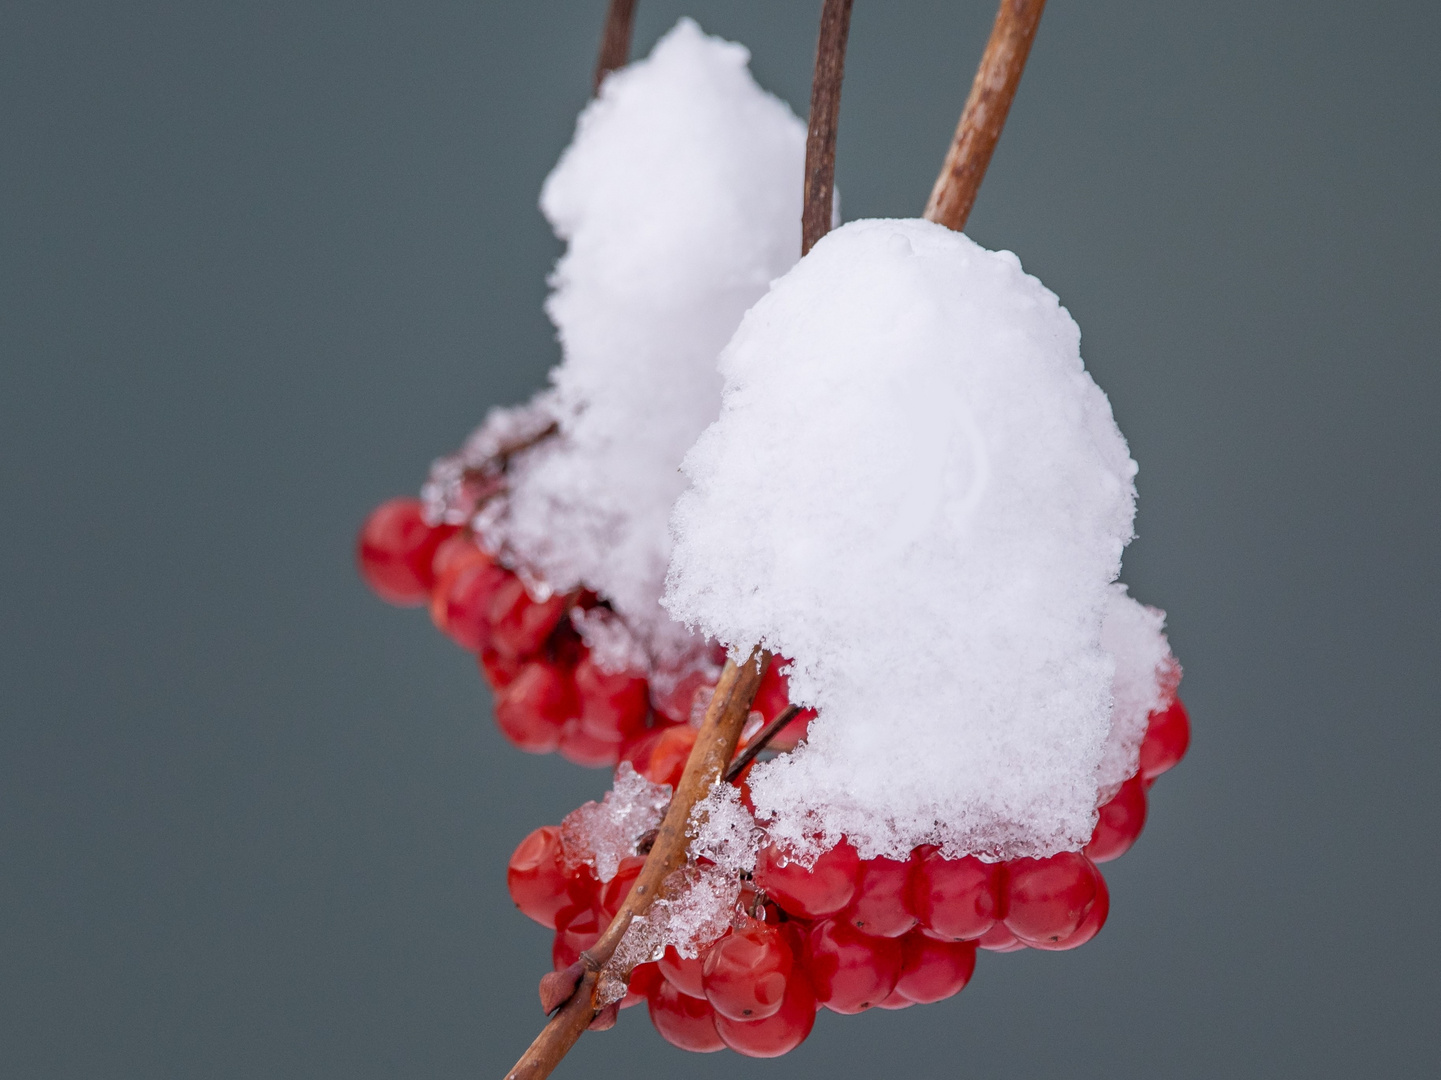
(825, 113)
(760, 741)
(614, 39)
(985, 113)
(715, 745)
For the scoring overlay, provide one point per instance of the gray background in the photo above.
(262, 261)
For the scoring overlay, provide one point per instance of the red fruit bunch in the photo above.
(845, 933)
(551, 693)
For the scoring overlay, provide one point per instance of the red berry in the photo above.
(644, 978)
(520, 624)
(999, 939)
(823, 889)
(614, 891)
(777, 1034)
(1090, 925)
(533, 709)
(957, 899)
(681, 703)
(453, 551)
(613, 705)
(897, 1000)
(934, 970)
(773, 693)
(536, 880)
(577, 928)
(745, 973)
(684, 973)
(881, 905)
(460, 604)
(1167, 736)
(851, 971)
(499, 671)
(1119, 822)
(684, 1021)
(1048, 898)
(395, 549)
(668, 758)
(580, 748)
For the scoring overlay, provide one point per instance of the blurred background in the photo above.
(260, 262)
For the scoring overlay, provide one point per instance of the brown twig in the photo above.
(985, 112)
(715, 745)
(614, 39)
(760, 741)
(821, 131)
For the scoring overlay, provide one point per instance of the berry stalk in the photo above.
(714, 747)
(820, 174)
(985, 113)
(614, 39)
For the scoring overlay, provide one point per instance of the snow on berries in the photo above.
(555, 577)
(916, 492)
(745, 944)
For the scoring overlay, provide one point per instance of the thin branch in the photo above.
(985, 113)
(715, 745)
(760, 741)
(825, 113)
(614, 39)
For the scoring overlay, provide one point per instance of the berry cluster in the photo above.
(551, 695)
(845, 934)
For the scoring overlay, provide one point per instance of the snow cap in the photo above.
(916, 491)
(679, 201)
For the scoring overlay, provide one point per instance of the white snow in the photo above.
(1146, 675)
(679, 201)
(917, 493)
(603, 833)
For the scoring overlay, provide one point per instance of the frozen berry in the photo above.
(1090, 925)
(683, 1020)
(613, 705)
(535, 877)
(499, 671)
(614, 891)
(934, 970)
(577, 928)
(687, 699)
(999, 939)
(1167, 736)
(773, 692)
(533, 709)
(957, 899)
(1119, 822)
(1048, 898)
(684, 972)
(579, 747)
(820, 890)
(896, 1000)
(745, 973)
(851, 971)
(669, 755)
(454, 551)
(395, 549)
(519, 624)
(881, 905)
(644, 978)
(460, 604)
(777, 1034)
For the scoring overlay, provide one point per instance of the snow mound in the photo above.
(679, 201)
(916, 492)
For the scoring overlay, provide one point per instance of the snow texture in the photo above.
(679, 201)
(602, 834)
(916, 492)
(1146, 677)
